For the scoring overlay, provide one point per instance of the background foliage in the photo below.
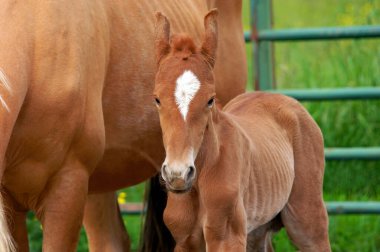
(323, 64)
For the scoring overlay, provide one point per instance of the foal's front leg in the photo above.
(225, 228)
(180, 216)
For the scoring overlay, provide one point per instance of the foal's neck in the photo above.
(209, 152)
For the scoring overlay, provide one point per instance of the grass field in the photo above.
(348, 63)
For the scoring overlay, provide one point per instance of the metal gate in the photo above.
(262, 36)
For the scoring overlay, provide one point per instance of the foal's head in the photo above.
(184, 94)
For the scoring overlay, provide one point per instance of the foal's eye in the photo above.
(158, 103)
(210, 102)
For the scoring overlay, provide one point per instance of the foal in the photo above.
(238, 172)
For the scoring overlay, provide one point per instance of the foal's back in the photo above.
(260, 112)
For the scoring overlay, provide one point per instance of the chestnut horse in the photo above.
(76, 112)
(238, 172)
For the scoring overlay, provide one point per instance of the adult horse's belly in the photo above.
(129, 163)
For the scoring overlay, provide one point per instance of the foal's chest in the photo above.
(184, 216)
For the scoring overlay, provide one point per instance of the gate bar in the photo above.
(353, 153)
(320, 33)
(263, 50)
(352, 207)
(332, 93)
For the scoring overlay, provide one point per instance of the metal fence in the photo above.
(262, 36)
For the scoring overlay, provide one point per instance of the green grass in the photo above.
(323, 64)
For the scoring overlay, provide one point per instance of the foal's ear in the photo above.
(210, 41)
(162, 36)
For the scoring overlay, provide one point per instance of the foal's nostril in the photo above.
(163, 171)
(190, 173)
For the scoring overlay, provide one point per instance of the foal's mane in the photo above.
(183, 45)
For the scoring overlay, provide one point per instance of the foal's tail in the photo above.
(156, 237)
(6, 241)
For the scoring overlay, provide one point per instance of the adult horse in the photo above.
(237, 172)
(76, 82)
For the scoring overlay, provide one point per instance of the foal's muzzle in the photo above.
(178, 182)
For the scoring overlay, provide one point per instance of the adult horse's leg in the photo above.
(6, 241)
(19, 231)
(104, 225)
(16, 222)
(61, 209)
(61, 204)
(13, 88)
(305, 216)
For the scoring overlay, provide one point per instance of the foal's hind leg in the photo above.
(305, 216)
(307, 227)
(103, 223)
(259, 242)
(260, 239)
